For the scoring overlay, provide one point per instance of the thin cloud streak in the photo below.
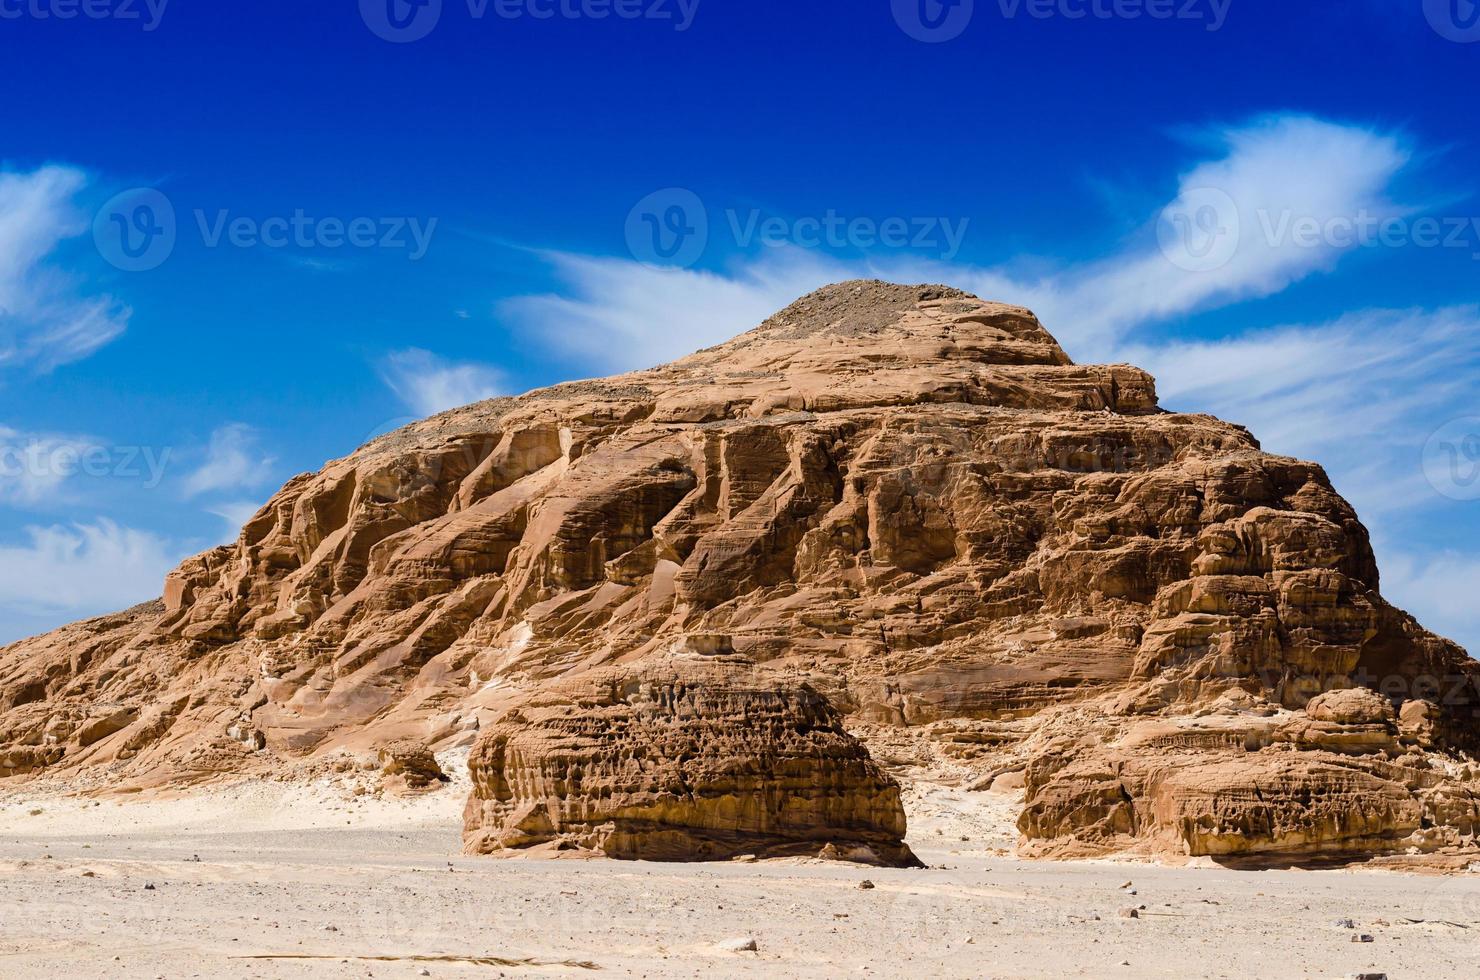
(46, 320)
(429, 384)
(233, 462)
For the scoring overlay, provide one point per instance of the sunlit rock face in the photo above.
(683, 758)
(898, 506)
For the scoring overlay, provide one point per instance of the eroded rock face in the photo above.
(681, 759)
(978, 552)
(1235, 782)
(409, 766)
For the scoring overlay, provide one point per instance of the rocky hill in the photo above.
(703, 610)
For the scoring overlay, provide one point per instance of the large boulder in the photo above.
(681, 759)
(1352, 706)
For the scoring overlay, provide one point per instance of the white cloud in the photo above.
(1275, 172)
(33, 467)
(624, 314)
(45, 320)
(619, 313)
(429, 384)
(232, 462)
(65, 572)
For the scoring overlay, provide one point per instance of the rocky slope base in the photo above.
(900, 505)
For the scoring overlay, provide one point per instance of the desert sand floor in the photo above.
(274, 880)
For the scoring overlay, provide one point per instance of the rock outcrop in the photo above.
(902, 500)
(409, 766)
(1239, 781)
(681, 759)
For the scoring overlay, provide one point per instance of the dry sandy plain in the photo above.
(270, 879)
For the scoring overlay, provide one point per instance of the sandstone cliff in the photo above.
(898, 505)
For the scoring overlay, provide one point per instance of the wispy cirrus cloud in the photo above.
(429, 384)
(234, 461)
(34, 466)
(620, 314)
(1264, 176)
(47, 318)
(1228, 234)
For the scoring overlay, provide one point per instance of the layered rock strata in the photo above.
(903, 499)
(681, 759)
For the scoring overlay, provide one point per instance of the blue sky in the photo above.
(381, 210)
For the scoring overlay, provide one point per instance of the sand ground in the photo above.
(293, 880)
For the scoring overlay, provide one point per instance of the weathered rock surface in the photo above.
(682, 759)
(409, 766)
(902, 498)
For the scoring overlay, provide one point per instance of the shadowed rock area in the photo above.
(898, 506)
